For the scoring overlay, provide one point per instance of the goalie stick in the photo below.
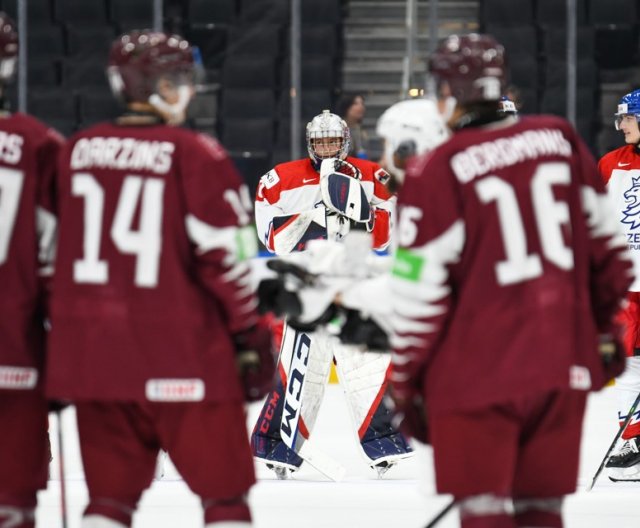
(621, 429)
(289, 425)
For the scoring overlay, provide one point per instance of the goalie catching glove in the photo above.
(255, 361)
(342, 190)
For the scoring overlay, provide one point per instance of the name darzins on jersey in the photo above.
(122, 153)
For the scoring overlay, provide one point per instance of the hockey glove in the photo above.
(274, 297)
(255, 361)
(343, 194)
(612, 354)
(296, 294)
(358, 330)
(409, 413)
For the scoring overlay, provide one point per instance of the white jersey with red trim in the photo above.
(620, 170)
(292, 189)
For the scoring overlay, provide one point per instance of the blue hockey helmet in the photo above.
(507, 106)
(628, 105)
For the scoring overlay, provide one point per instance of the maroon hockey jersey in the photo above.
(28, 151)
(510, 263)
(151, 274)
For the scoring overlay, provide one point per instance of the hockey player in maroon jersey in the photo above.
(326, 196)
(154, 335)
(620, 169)
(27, 232)
(509, 272)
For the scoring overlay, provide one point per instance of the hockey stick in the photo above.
(289, 425)
(442, 513)
(63, 490)
(621, 429)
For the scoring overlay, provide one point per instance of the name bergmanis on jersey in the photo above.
(477, 160)
(122, 153)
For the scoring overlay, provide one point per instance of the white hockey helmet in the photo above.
(328, 125)
(410, 128)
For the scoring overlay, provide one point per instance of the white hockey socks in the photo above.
(98, 521)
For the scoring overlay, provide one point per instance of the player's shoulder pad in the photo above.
(288, 174)
(293, 168)
(554, 122)
(39, 128)
(614, 155)
(270, 179)
(416, 164)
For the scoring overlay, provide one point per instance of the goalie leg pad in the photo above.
(266, 442)
(266, 439)
(317, 376)
(363, 377)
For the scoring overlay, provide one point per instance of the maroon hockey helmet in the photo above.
(8, 47)
(474, 67)
(140, 58)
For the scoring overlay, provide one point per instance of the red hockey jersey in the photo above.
(151, 274)
(28, 151)
(509, 265)
(294, 187)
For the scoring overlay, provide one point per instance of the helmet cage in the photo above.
(327, 126)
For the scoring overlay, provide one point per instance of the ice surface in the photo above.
(405, 498)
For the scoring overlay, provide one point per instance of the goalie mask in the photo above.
(140, 61)
(629, 105)
(410, 128)
(8, 48)
(327, 137)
